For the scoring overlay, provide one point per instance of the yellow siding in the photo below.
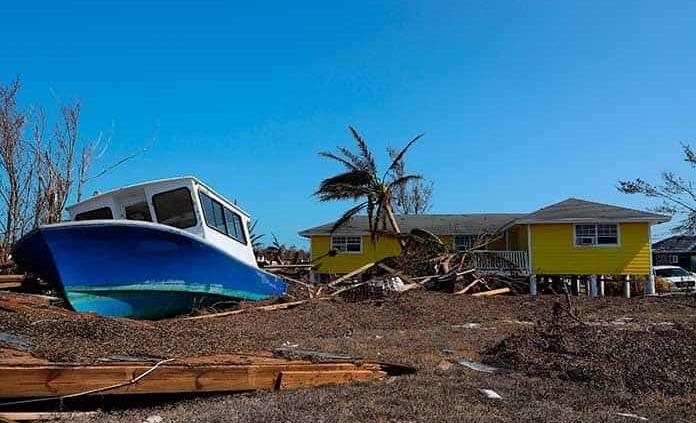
(554, 252)
(346, 262)
(448, 240)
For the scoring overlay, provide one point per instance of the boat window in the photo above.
(96, 214)
(138, 211)
(213, 212)
(235, 229)
(222, 219)
(174, 208)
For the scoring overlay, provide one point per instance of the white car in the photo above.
(677, 277)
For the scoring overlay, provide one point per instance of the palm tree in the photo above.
(361, 182)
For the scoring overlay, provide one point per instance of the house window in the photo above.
(596, 234)
(346, 244)
(464, 242)
(674, 259)
(222, 219)
(175, 208)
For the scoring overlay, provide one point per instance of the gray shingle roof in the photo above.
(570, 210)
(676, 244)
(575, 210)
(440, 224)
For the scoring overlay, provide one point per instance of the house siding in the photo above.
(341, 263)
(554, 252)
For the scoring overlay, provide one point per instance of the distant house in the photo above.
(573, 237)
(676, 251)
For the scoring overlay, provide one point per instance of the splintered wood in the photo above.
(225, 373)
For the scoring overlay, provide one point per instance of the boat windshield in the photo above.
(138, 211)
(671, 272)
(96, 214)
(175, 208)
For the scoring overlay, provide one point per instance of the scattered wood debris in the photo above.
(222, 373)
(45, 415)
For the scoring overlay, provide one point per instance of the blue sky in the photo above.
(523, 103)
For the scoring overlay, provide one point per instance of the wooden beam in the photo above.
(12, 278)
(245, 310)
(10, 285)
(355, 272)
(288, 266)
(491, 292)
(468, 287)
(306, 379)
(196, 375)
(45, 415)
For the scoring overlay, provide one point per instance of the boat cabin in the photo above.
(184, 203)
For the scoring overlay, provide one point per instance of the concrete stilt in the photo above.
(533, 286)
(593, 286)
(650, 285)
(627, 287)
(601, 286)
(577, 285)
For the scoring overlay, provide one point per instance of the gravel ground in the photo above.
(629, 356)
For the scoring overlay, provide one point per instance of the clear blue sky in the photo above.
(524, 103)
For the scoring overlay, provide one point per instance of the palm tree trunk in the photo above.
(392, 218)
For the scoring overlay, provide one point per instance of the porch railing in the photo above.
(501, 261)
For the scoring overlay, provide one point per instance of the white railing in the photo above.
(501, 261)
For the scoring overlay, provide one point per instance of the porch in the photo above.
(504, 261)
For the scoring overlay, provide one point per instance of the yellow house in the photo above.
(573, 237)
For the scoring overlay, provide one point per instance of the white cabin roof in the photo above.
(124, 191)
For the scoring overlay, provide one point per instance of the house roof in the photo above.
(676, 244)
(440, 224)
(572, 210)
(576, 210)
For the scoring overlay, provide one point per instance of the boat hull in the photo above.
(138, 270)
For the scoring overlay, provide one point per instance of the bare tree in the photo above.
(413, 197)
(678, 195)
(40, 171)
(17, 169)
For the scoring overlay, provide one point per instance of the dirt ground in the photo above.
(634, 356)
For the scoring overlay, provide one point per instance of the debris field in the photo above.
(620, 360)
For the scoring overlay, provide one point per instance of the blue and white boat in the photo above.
(148, 251)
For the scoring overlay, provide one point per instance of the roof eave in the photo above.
(654, 220)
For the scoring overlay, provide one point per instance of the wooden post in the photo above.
(533, 286)
(627, 287)
(593, 286)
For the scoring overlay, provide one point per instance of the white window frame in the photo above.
(473, 239)
(595, 224)
(333, 243)
(673, 259)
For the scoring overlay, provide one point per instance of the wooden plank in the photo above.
(45, 415)
(491, 292)
(58, 380)
(355, 272)
(468, 287)
(307, 379)
(10, 285)
(245, 310)
(287, 266)
(12, 278)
